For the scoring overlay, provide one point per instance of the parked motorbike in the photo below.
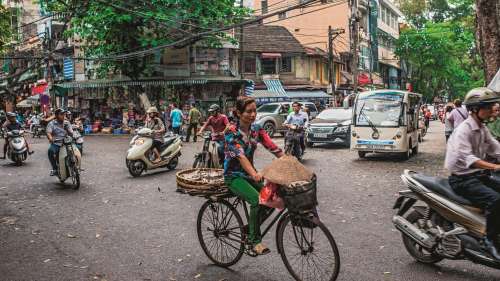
(208, 157)
(17, 150)
(292, 141)
(444, 226)
(69, 162)
(140, 155)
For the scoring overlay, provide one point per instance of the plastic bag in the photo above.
(269, 197)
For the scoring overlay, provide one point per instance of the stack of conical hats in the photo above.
(286, 170)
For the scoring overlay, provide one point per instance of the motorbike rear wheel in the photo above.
(173, 163)
(418, 252)
(136, 168)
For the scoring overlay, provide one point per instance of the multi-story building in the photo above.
(376, 35)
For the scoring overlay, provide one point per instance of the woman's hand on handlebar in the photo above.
(257, 177)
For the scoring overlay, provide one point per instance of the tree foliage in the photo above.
(5, 29)
(439, 45)
(108, 27)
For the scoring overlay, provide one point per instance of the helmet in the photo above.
(11, 114)
(214, 107)
(59, 111)
(481, 96)
(152, 110)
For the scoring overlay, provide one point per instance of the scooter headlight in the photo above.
(139, 141)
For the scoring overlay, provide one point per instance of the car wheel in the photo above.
(362, 154)
(269, 128)
(309, 144)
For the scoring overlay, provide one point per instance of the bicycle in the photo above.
(208, 157)
(223, 238)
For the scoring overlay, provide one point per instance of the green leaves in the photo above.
(5, 28)
(111, 27)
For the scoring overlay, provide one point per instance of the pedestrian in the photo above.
(459, 114)
(427, 117)
(448, 126)
(176, 118)
(194, 117)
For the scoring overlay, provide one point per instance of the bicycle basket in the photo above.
(201, 181)
(300, 197)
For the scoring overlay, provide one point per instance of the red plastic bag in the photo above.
(269, 197)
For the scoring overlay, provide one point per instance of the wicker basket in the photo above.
(201, 182)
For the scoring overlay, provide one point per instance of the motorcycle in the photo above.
(38, 131)
(69, 162)
(445, 226)
(140, 155)
(292, 141)
(77, 134)
(17, 150)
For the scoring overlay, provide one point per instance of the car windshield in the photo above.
(335, 114)
(267, 108)
(381, 108)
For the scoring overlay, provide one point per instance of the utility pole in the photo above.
(242, 61)
(354, 26)
(332, 35)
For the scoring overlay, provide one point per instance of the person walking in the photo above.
(176, 118)
(459, 114)
(194, 117)
(448, 126)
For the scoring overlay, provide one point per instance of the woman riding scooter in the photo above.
(156, 125)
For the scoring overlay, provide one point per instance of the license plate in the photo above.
(320, 135)
(376, 146)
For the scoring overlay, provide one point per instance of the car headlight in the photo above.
(342, 129)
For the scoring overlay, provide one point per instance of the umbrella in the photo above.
(26, 103)
(286, 170)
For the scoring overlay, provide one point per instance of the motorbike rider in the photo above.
(467, 158)
(34, 121)
(57, 129)
(298, 118)
(11, 125)
(218, 122)
(156, 125)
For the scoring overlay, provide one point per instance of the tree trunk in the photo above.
(488, 35)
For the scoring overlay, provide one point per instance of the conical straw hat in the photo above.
(286, 170)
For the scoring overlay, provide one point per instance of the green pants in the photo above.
(249, 191)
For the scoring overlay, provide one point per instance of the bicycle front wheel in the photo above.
(308, 249)
(221, 232)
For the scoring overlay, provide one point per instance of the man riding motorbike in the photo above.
(57, 129)
(298, 118)
(156, 125)
(11, 125)
(469, 150)
(34, 121)
(218, 122)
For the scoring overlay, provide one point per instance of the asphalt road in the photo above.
(120, 228)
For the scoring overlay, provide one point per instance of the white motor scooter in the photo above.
(17, 150)
(140, 155)
(69, 162)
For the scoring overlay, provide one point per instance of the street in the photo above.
(121, 228)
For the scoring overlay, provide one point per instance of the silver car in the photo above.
(271, 116)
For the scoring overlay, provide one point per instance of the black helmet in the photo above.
(214, 107)
(59, 111)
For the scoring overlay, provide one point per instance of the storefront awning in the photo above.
(120, 83)
(270, 55)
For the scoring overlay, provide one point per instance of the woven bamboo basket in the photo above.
(201, 181)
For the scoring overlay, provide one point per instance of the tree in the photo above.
(442, 57)
(488, 35)
(5, 28)
(116, 26)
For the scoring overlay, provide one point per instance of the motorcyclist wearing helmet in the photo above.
(469, 150)
(156, 125)
(218, 122)
(11, 125)
(57, 130)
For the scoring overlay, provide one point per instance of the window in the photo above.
(268, 66)
(286, 64)
(318, 70)
(249, 64)
(282, 15)
(387, 17)
(382, 15)
(263, 6)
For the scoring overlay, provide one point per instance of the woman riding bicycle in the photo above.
(239, 173)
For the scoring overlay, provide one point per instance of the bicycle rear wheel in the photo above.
(221, 232)
(308, 249)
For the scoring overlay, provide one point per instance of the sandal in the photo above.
(261, 249)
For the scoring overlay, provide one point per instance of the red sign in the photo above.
(39, 89)
(363, 79)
